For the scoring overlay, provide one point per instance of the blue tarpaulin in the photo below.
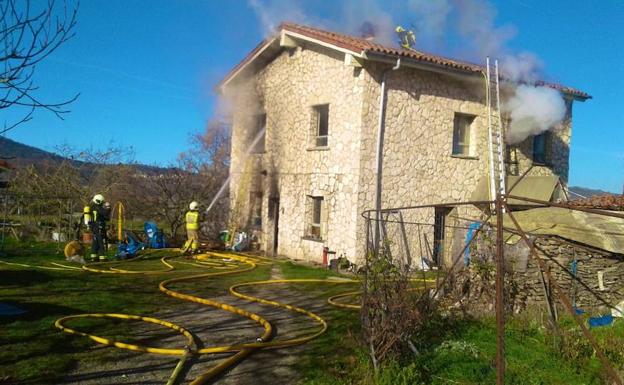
(472, 229)
(6, 310)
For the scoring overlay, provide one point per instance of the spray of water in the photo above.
(259, 136)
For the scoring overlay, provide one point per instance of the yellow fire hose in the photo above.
(65, 268)
(216, 261)
(219, 260)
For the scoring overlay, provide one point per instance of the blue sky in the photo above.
(146, 69)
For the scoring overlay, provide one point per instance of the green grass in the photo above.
(463, 352)
(457, 351)
(451, 351)
(34, 351)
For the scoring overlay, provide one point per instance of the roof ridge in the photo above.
(361, 45)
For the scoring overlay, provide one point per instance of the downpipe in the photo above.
(380, 139)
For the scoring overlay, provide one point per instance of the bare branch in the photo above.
(27, 37)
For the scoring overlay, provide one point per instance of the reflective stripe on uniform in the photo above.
(192, 220)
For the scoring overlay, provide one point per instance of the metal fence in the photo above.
(37, 219)
(442, 237)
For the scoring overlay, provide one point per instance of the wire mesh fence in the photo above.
(36, 219)
(479, 260)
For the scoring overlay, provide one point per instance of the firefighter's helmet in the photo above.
(98, 199)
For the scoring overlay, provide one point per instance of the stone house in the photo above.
(306, 112)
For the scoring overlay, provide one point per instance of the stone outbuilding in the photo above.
(305, 117)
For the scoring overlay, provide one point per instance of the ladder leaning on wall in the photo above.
(496, 143)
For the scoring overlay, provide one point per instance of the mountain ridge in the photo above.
(20, 155)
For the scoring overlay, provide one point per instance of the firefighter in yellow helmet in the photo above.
(192, 228)
(407, 38)
(97, 224)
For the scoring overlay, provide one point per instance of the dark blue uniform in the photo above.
(99, 216)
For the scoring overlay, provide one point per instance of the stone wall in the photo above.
(598, 286)
(292, 167)
(590, 293)
(419, 167)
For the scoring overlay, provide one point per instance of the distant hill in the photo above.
(20, 155)
(585, 192)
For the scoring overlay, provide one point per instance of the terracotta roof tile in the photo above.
(361, 45)
(605, 202)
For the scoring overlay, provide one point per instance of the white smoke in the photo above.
(476, 21)
(271, 13)
(348, 17)
(431, 16)
(522, 67)
(437, 23)
(356, 12)
(533, 110)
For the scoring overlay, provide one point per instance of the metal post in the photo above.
(500, 273)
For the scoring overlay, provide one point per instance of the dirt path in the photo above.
(212, 327)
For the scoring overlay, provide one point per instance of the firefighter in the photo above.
(192, 228)
(97, 225)
(407, 38)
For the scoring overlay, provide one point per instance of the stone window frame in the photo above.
(258, 125)
(470, 148)
(318, 141)
(541, 156)
(315, 218)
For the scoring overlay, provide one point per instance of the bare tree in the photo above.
(210, 150)
(28, 34)
(197, 176)
(78, 175)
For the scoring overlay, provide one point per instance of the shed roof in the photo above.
(543, 188)
(595, 230)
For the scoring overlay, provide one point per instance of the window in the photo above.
(258, 134)
(315, 216)
(461, 134)
(540, 144)
(320, 125)
(255, 208)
